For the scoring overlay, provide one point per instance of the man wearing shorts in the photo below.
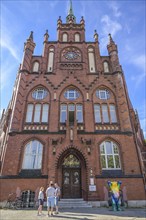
(50, 193)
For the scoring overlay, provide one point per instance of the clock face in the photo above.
(71, 55)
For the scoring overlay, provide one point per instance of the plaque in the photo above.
(92, 188)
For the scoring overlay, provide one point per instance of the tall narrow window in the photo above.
(77, 38)
(33, 155)
(109, 154)
(71, 113)
(35, 67)
(106, 67)
(79, 113)
(50, 60)
(45, 112)
(29, 113)
(97, 113)
(64, 37)
(91, 60)
(105, 113)
(37, 113)
(113, 114)
(63, 113)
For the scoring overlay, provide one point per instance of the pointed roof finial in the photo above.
(70, 18)
(31, 35)
(110, 39)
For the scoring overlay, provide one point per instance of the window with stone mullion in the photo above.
(109, 158)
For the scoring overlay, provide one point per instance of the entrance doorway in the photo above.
(71, 177)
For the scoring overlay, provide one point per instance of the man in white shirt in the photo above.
(50, 194)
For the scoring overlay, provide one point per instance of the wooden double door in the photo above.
(71, 183)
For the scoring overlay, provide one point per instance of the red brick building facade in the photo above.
(70, 120)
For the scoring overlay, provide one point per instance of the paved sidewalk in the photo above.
(76, 214)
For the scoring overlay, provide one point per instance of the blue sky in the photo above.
(125, 20)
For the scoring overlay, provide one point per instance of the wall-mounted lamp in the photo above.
(54, 150)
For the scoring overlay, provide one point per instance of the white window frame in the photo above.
(63, 108)
(97, 113)
(29, 113)
(113, 115)
(113, 155)
(79, 111)
(74, 92)
(105, 114)
(35, 93)
(33, 160)
(45, 112)
(37, 113)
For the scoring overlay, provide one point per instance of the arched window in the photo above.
(109, 154)
(64, 37)
(33, 155)
(91, 58)
(106, 67)
(35, 66)
(50, 60)
(77, 37)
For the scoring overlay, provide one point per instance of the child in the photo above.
(41, 200)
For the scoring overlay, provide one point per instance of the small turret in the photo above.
(113, 53)
(111, 46)
(95, 36)
(59, 21)
(28, 53)
(46, 36)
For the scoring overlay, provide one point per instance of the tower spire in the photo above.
(70, 12)
(70, 17)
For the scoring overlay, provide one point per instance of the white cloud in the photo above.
(139, 61)
(7, 44)
(109, 26)
(115, 7)
(53, 4)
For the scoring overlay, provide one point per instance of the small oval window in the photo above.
(39, 93)
(71, 94)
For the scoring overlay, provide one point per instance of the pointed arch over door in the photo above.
(72, 173)
(71, 177)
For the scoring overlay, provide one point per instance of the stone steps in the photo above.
(73, 203)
